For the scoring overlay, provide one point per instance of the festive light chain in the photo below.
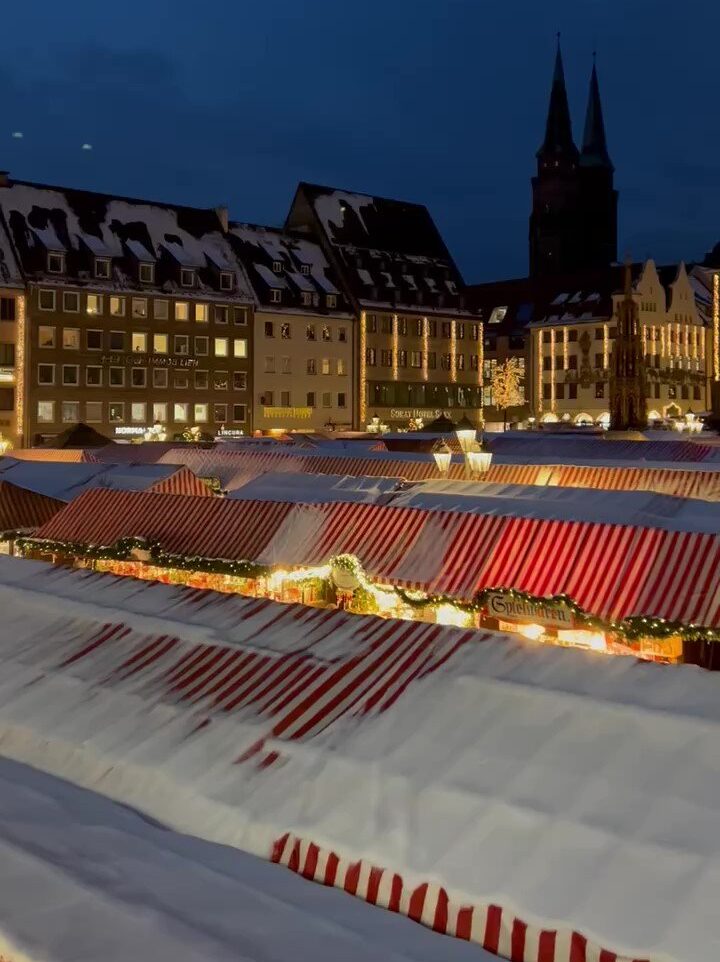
(632, 628)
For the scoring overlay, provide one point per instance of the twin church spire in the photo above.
(573, 225)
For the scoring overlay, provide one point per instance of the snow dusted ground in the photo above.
(576, 792)
(83, 879)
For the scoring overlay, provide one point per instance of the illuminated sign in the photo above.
(513, 609)
(7, 375)
(277, 412)
(407, 414)
(130, 431)
(154, 360)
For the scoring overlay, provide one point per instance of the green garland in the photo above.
(631, 629)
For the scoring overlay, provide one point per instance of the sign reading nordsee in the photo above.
(513, 609)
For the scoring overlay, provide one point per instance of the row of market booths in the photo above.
(555, 567)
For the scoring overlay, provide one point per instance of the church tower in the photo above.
(628, 391)
(573, 224)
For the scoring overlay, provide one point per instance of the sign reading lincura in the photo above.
(513, 609)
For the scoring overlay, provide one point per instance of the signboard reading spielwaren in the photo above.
(152, 360)
(514, 609)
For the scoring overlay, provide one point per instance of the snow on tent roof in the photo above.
(509, 794)
(314, 488)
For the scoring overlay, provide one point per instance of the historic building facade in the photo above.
(133, 314)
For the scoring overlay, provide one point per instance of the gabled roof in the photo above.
(389, 252)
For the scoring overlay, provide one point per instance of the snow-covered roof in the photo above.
(482, 784)
(314, 488)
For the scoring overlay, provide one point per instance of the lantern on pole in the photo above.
(443, 456)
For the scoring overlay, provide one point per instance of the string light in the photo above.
(453, 352)
(606, 346)
(362, 386)
(395, 346)
(539, 372)
(425, 347)
(716, 326)
(552, 370)
(20, 369)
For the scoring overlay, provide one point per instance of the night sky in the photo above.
(437, 101)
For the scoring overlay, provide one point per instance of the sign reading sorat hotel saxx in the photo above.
(154, 360)
(513, 609)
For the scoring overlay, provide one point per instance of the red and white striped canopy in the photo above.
(22, 509)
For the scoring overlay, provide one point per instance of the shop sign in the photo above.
(154, 360)
(671, 647)
(414, 414)
(278, 412)
(131, 431)
(514, 609)
(230, 433)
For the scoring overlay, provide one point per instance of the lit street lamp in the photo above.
(465, 433)
(478, 461)
(443, 456)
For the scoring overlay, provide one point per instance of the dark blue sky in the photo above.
(437, 101)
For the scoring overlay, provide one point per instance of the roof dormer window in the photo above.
(305, 269)
(55, 263)
(332, 300)
(187, 277)
(277, 267)
(146, 273)
(226, 281)
(102, 267)
(276, 296)
(306, 297)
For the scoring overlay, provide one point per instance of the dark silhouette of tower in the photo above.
(573, 224)
(628, 392)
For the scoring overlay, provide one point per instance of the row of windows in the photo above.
(652, 332)
(416, 359)
(573, 335)
(397, 394)
(601, 391)
(139, 307)
(285, 331)
(654, 360)
(138, 377)
(118, 412)
(146, 271)
(327, 365)
(416, 327)
(140, 342)
(307, 298)
(267, 399)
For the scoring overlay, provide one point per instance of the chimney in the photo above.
(4, 178)
(222, 214)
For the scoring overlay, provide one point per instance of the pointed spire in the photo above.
(558, 128)
(594, 148)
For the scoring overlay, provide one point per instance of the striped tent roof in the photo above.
(54, 454)
(603, 449)
(611, 570)
(26, 510)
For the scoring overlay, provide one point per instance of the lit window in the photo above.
(285, 332)
(306, 298)
(46, 336)
(239, 381)
(71, 302)
(201, 313)
(341, 366)
(202, 345)
(239, 346)
(117, 306)
(202, 380)
(46, 374)
(305, 269)
(182, 311)
(220, 313)
(160, 310)
(269, 364)
(226, 281)
(240, 315)
(181, 412)
(93, 376)
(139, 307)
(117, 340)
(146, 273)
(187, 277)
(200, 413)
(310, 332)
(325, 365)
(182, 344)
(94, 304)
(94, 412)
(311, 368)
(239, 413)
(326, 333)
(46, 300)
(275, 296)
(117, 376)
(102, 267)
(159, 410)
(71, 338)
(332, 300)
(160, 343)
(55, 263)
(138, 377)
(70, 375)
(220, 413)
(116, 412)
(277, 267)
(94, 340)
(138, 411)
(327, 399)
(221, 347)
(285, 365)
(46, 412)
(220, 380)
(160, 377)
(139, 342)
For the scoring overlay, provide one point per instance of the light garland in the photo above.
(539, 372)
(362, 385)
(606, 346)
(20, 369)
(453, 352)
(395, 346)
(552, 371)
(425, 347)
(716, 326)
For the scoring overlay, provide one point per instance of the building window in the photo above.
(7, 308)
(371, 357)
(305, 269)
(200, 412)
(572, 392)
(187, 277)
(160, 377)
(161, 310)
(327, 399)
(160, 343)
(445, 362)
(93, 305)
(696, 392)
(342, 335)
(55, 263)
(341, 366)
(269, 329)
(70, 412)
(546, 393)
(202, 380)
(285, 332)
(117, 377)
(46, 300)
(310, 399)
(402, 359)
(94, 412)
(613, 332)
(182, 311)
(220, 413)
(139, 307)
(146, 273)
(221, 347)
(311, 366)
(159, 411)
(415, 358)
(402, 326)
(117, 306)
(275, 296)
(386, 358)
(560, 392)
(46, 374)
(599, 390)
(572, 362)
(341, 400)
(239, 413)
(71, 338)
(306, 298)
(182, 344)
(93, 376)
(181, 412)
(672, 392)
(181, 382)
(284, 399)
(432, 360)
(202, 345)
(269, 367)
(332, 300)
(432, 328)
(460, 362)
(102, 267)
(46, 412)
(325, 366)
(446, 329)
(267, 399)
(547, 363)
(70, 375)
(239, 381)
(240, 315)
(220, 380)
(71, 302)
(277, 267)
(326, 333)
(372, 323)
(285, 365)
(599, 359)
(138, 377)
(226, 281)
(201, 313)
(116, 412)
(220, 313)
(139, 342)
(94, 340)
(46, 336)
(138, 412)
(310, 332)
(117, 340)
(239, 347)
